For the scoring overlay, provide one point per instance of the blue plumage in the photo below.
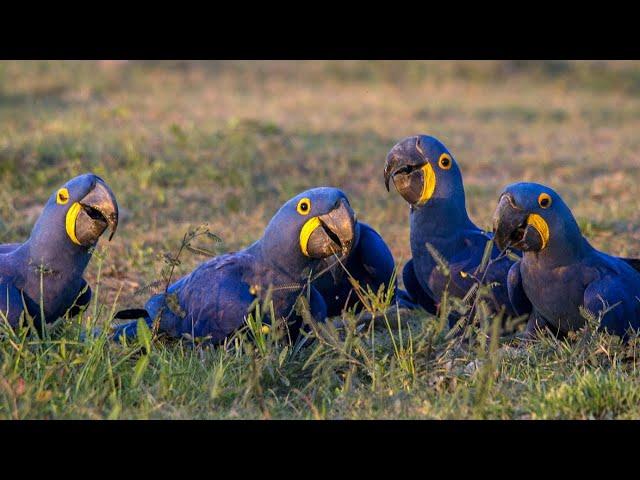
(213, 300)
(560, 271)
(57, 252)
(427, 176)
(370, 263)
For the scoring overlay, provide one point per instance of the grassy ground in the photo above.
(226, 143)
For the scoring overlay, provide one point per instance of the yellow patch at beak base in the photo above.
(541, 226)
(429, 185)
(70, 222)
(307, 229)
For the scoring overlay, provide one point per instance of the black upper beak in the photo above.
(389, 169)
(407, 175)
(511, 228)
(336, 233)
(507, 218)
(403, 165)
(101, 206)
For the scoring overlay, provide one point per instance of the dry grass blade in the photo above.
(442, 263)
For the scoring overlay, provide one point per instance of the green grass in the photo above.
(225, 143)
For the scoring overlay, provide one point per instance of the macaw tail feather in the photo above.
(129, 330)
(131, 314)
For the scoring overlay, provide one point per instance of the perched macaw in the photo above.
(560, 271)
(213, 301)
(427, 176)
(370, 263)
(57, 253)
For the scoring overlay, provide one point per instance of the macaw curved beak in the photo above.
(329, 234)
(414, 179)
(513, 226)
(88, 218)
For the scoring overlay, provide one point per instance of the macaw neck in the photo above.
(560, 252)
(441, 217)
(60, 262)
(291, 264)
(50, 245)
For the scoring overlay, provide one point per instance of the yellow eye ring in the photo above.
(544, 200)
(62, 197)
(304, 206)
(445, 162)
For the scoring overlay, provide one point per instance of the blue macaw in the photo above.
(370, 263)
(427, 176)
(560, 271)
(213, 300)
(57, 252)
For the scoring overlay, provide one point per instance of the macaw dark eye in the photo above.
(445, 161)
(544, 200)
(62, 197)
(304, 206)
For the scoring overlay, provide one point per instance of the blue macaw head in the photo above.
(315, 224)
(77, 214)
(423, 171)
(532, 218)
